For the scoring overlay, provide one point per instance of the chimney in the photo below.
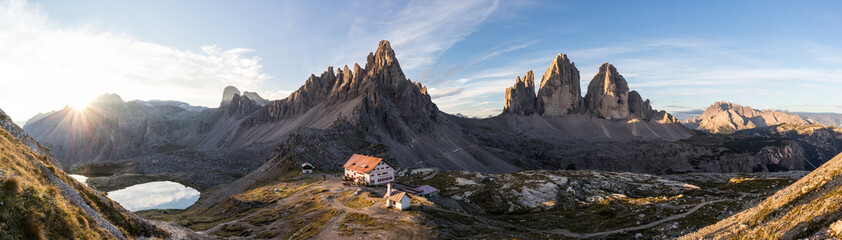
(388, 189)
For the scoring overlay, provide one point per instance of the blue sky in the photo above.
(682, 55)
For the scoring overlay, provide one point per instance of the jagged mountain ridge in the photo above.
(608, 95)
(379, 100)
(378, 106)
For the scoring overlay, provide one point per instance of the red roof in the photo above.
(397, 196)
(362, 163)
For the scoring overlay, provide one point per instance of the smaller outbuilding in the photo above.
(307, 168)
(427, 191)
(396, 199)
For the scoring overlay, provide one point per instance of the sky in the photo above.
(682, 55)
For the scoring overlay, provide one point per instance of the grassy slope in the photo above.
(804, 209)
(33, 207)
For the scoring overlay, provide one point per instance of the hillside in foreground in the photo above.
(39, 201)
(809, 208)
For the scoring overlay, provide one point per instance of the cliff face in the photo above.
(608, 95)
(520, 98)
(560, 93)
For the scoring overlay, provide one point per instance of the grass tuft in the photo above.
(12, 186)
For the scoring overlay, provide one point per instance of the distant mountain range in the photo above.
(819, 140)
(726, 117)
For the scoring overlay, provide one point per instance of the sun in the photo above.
(79, 105)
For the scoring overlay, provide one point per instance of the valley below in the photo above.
(526, 204)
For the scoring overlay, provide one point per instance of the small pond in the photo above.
(152, 195)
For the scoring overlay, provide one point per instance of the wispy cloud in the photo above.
(49, 66)
(419, 31)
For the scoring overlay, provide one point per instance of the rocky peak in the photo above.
(608, 94)
(109, 98)
(559, 93)
(727, 117)
(383, 67)
(255, 97)
(228, 94)
(386, 96)
(520, 98)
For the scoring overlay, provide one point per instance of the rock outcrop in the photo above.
(608, 94)
(559, 93)
(228, 95)
(229, 92)
(726, 117)
(520, 98)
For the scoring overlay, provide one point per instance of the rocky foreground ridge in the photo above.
(807, 209)
(608, 95)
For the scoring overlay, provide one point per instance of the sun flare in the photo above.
(79, 105)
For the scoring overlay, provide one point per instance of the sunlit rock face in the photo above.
(726, 117)
(520, 98)
(608, 94)
(560, 93)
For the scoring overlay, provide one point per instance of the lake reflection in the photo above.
(155, 195)
(80, 178)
